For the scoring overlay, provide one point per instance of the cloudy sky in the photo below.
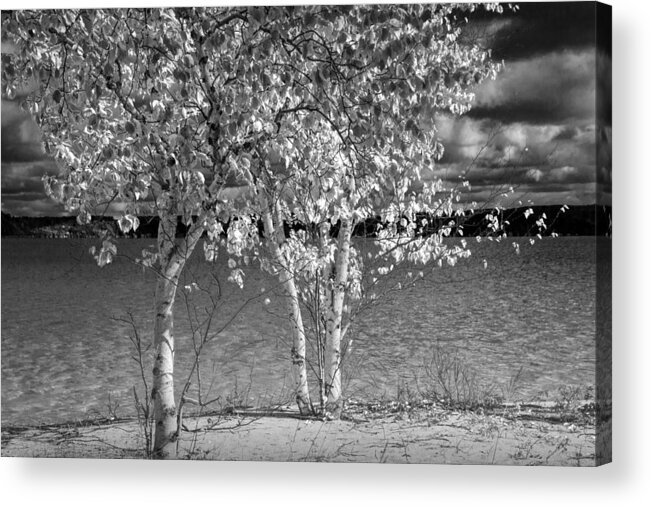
(535, 128)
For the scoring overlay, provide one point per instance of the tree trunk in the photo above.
(333, 337)
(274, 240)
(298, 346)
(172, 260)
(163, 372)
(324, 299)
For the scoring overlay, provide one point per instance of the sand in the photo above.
(516, 435)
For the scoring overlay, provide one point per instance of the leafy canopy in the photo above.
(165, 110)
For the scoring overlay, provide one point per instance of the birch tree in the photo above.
(363, 148)
(128, 107)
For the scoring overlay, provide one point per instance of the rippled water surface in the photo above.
(64, 349)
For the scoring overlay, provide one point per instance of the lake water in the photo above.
(64, 352)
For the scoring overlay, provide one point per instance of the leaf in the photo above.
(266, 81)
(88, 23)
(107, 152)
(258, 14)
(128, 222)
(106, 253)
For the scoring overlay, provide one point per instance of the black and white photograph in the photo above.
(365, 233)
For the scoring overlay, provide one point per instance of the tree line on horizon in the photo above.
(584, 220)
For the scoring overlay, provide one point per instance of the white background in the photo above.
(627, 480)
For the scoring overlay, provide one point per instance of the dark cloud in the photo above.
(25, 176)
(526, 195)
(516, 186)
(20, 135)
(18, 196)
(567, 134)
(551, 88)
(543, 82)
(485, 143)
(22, 183)
(25, 206)
(540, 161)
(543, 177)
(541, 27)
(23, 187)
(23, 165)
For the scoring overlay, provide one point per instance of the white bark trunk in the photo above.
(333, 338)
(172, 261)
(163, 372)
(325, 305)
(298, 346)
(274, 239)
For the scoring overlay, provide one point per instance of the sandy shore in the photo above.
(517, 436)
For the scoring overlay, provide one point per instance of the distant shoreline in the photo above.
(589, 220)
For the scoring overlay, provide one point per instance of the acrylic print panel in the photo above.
(324, 233)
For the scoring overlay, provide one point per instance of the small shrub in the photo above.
(451, 381)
